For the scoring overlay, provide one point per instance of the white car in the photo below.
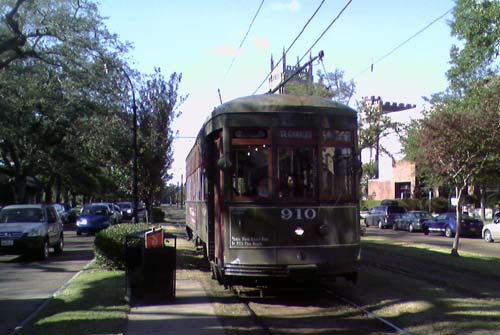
(491, 232)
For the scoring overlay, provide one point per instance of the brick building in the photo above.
(402, 184)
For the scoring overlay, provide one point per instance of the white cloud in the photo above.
(292, 6)
(227, 50)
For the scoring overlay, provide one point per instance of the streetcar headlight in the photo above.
(299, 231)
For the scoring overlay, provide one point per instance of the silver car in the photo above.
(31, 230)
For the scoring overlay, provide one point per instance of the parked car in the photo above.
(412, 221)
(73, 214)
(31, 230)
(383, 216)
(62, 212)
(94, 218)
(491, 231)
(127, 209)
(117, 212)
(445, 223)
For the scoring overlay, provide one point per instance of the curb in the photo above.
(46, 302)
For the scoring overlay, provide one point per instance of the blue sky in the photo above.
(200, 39)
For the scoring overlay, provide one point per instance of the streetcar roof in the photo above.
(281, 102)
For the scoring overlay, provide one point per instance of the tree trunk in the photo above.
(454, 249)
(20, 188)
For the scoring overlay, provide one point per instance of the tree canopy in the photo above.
(65, 116)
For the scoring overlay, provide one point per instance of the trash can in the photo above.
(150, 272)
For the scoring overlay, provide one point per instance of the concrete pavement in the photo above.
(190, 313)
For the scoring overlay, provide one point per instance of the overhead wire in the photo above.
(403, 43)
(317, 40)
(291, 45)
(324, 31)
(243, 41)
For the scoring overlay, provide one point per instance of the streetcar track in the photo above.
(368, 313)
(265, 330)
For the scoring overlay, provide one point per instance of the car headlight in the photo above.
(129, 211)
(81, 222)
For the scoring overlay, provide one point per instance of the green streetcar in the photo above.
(272, 190)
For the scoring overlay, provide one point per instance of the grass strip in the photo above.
(93, 303)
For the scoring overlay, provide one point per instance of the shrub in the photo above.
(157, 214)
(109, 245)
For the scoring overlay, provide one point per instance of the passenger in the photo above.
(290, 190)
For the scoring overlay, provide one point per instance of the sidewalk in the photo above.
(190, 313)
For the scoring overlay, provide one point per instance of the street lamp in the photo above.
(134, 144)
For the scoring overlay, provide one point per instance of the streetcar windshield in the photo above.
(251, 171)
(296, 173)
(336, 173)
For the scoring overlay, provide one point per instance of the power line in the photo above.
(243, 40)
(288, 49)
(403, 43)
(327, 28)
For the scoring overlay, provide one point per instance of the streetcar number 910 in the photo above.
(298, 214)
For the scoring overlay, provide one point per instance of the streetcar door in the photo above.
(218, 224)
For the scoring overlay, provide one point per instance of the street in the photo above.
(26, 284)
(466, 244)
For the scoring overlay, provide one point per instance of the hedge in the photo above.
(109, 245)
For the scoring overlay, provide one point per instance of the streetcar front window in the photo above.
(296, 173)
(336, 173)
(251, 172)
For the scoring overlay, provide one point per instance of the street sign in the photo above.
(153, 238)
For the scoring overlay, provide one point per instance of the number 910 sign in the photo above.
(296, 214)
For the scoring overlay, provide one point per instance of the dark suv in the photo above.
(384, 216)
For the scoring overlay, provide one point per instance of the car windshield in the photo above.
(125, 206)
(94, 210)
(395, 209)
(421, 215)
(15, 215)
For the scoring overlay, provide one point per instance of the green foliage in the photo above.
(158, 107)
(109, 245)
(331, 85)
(366, 205)
(475, 25)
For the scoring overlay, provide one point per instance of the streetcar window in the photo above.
(251, 171)
(336, 173)
(296, 173)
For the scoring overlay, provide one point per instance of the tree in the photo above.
(45, 120)
(475, 24)
(373, 126)
(330, 85)
(452, 146)
(157, 108)
(53, 31)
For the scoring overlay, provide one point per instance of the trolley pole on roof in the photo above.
(320, 56)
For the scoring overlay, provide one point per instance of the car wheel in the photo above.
(410, 228)
(366, 223)
(487, 236)
(448, 232)
(78, 233)
(58, 249)
(380, 226)
(394, 226)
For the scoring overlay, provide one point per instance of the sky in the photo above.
(202, 39)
